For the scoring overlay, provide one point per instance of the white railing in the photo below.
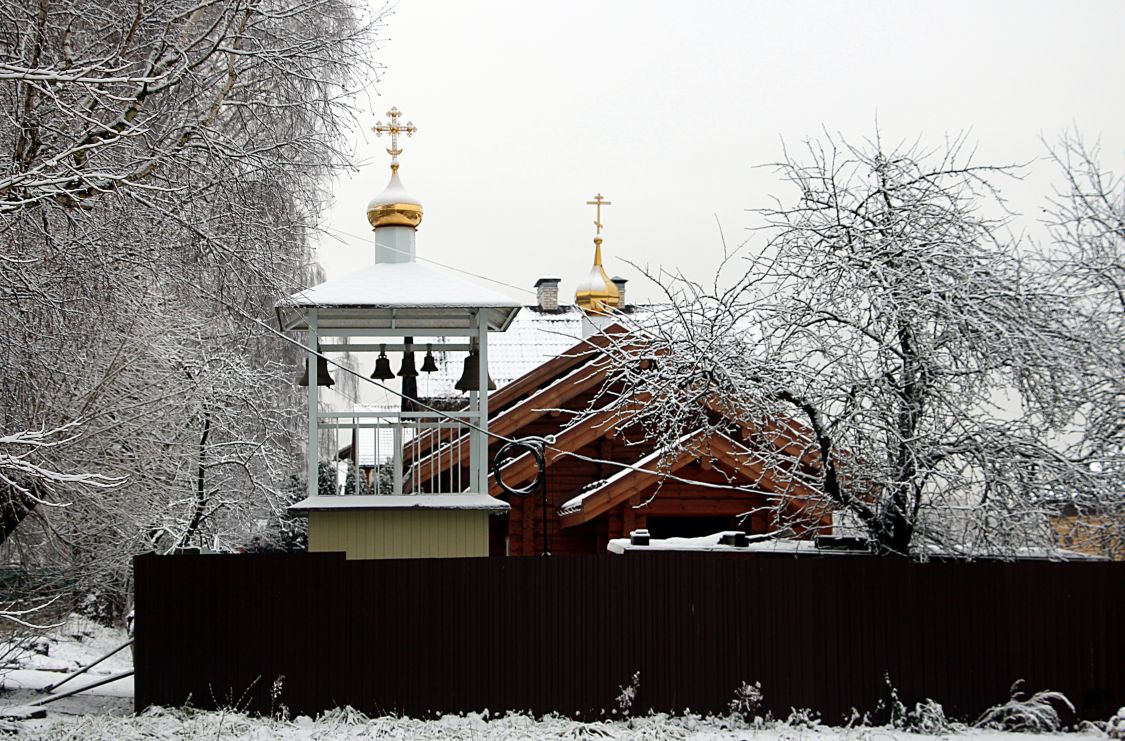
(403, 452)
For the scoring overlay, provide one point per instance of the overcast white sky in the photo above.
(525, 110)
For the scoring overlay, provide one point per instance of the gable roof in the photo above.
(553, 384)
(542, 383)
(506, 422)
(521, 469)
(533, 338)
(646, 473)
(562, 378)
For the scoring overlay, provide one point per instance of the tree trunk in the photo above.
(15, 506)
(894, 530)
(200, 480)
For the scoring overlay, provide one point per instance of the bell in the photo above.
(382, 370)
(408, 370)
(428, 363)
(470, 377)
(322, 377)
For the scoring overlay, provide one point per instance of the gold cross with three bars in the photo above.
(394, 128)
(598, 201)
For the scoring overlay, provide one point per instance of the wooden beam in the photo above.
(522, 469)
(794, 494)
(558, 367)
(676, 507)
(506, 424)
(629, 485)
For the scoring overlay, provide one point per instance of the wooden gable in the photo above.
(623, 481)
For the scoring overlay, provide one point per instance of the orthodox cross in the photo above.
(598, 201)
(394, 128)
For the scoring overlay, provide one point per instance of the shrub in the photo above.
(1115, 726)
(1035, 714)
(747, 700)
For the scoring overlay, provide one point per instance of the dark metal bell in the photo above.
(429, 365)
(470, 376)
(322, 377)
(408, 370)
(382, 370)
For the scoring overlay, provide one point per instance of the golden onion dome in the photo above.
(394, 206)
(597, 294)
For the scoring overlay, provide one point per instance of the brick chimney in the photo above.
(547, 293)
(620, 283)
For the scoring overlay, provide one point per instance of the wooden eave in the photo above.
(522, 469)
(736, 457)
(525, 386)
(787, 435)
(514, 418)
(793, 439)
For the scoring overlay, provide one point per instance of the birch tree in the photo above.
(163, 172)
(891, 346)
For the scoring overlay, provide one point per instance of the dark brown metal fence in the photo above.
(565, 634)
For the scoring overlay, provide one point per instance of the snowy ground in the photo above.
(106, 712)
(345, 725)
(60, 651)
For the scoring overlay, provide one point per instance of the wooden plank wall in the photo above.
(565, 634)
(385, 533)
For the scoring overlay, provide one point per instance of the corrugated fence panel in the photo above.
(314, 631)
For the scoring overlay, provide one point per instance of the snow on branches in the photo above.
(18, 469)
(166, 169)
(891, 333)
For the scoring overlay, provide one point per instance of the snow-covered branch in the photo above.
(894, 349)
(167, 164)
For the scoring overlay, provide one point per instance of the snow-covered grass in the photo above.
(348, 724)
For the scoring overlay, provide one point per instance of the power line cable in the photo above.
(547, 442)
(432, 262)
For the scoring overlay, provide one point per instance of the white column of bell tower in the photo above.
(313, 469)
(481, 450)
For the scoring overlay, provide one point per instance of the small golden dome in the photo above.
(597, 294)
(394, 206)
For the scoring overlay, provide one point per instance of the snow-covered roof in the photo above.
(796, 547)
(410, 296)
(478, 502)
(533, 338)
(708, 543)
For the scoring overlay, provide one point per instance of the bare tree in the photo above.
(892, 334)
(1086, 259)
(164, 172)
(28, 478)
